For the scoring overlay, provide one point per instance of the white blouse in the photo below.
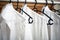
(14, 20)
(38, 29)
(54, 29)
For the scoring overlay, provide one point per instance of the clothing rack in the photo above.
(46, 2)
(42, 2)
(30, 4)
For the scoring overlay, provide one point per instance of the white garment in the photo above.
(0, 29)
(55, 27)
(38, 29)
(58, 27)
(14, 20)
(4, 30)
(0, 33)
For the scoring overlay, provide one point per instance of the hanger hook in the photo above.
(17, 4)
(34, 8)
(10, 1)
(35, 3)
(46, 2)
(25, 1)
(52, 4)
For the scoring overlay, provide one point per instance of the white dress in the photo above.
(14, 20)
(38, 29)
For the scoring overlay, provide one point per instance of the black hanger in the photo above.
(10, 1)
(52, 4)
(17, 4)
(34, 8)
(50, 19)
(53, 8)
(30, 18)
(25, 2)
(46, 2)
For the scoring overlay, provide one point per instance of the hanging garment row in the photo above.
(28, 24)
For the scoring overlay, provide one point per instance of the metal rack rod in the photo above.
(41, 2)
